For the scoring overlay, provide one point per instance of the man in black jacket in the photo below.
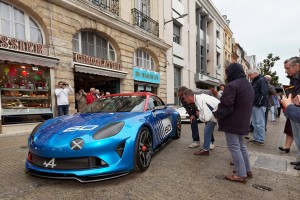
(260, 87)
(233, 115)
(192, 110)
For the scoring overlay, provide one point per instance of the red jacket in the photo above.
(90, 98)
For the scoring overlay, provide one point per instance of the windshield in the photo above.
(117, 104)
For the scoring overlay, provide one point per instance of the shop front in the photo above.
(98, 73)
(145, 80)
(25, 84)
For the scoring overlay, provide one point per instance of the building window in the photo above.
(94, 45)
(144, 60)
(143, 6)
(218, 58)
(17, 24)
(177, 83)
(218, 34)
(176, 33)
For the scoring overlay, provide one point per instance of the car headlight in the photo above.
(109, 130)
(35, 129)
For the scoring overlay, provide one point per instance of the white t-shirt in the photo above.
(62, 95)
(206, 104)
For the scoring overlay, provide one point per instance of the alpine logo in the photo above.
(77, 144)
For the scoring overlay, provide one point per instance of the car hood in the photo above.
(66, 128)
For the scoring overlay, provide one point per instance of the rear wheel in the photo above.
(143, 150)
(178, 128)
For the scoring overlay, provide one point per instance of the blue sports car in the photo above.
(112, 137)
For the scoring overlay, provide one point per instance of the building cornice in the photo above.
(215, 13)
(112, 21)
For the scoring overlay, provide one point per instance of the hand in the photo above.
(286, 101)
(192, 118)
(296, 100)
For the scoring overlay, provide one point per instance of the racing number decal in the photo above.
(51, 163)
(163, 128)
(81, 128)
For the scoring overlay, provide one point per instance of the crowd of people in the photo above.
(241, 107)
(82, 98)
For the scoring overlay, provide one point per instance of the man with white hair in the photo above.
(260, 88)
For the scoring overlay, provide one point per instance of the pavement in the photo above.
(174, 173)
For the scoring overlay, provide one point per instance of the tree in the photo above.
(268, 63)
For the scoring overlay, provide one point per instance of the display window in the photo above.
(25, 89)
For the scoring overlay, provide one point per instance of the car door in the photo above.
(160, 119)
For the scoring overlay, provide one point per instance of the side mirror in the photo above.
(160, 107)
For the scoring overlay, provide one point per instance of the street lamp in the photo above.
(180, 16)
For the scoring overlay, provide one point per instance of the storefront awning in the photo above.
(89, 69)
(26, 58)
(207, 79)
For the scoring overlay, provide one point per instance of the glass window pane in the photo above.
(104, 51)
(84, 48)
(19, 31)
(91, 38)
(75, 44)
(19, 16)
(5, 10)
(91, 50)
(112, 55)
(6, 28)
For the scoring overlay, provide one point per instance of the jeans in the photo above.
(296, 136)
(195, 131)
(208, 132)
(258, 122)
(239, 154)
(63, 110)
(273, 113)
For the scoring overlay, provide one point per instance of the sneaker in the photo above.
(261, 143)
(201, 152)
(211, 146)
(194, 144)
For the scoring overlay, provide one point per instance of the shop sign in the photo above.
(20, 45)
(84, 59)
(144, 75)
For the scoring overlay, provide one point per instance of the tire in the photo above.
(143, 150)
(178, 128)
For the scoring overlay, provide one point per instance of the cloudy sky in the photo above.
(265, 26)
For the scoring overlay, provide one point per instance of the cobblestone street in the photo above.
(175, 173)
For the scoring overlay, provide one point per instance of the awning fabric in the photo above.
(99, 71)
(26, 58)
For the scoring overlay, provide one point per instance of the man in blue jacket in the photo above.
(233, 115)
(260, 87)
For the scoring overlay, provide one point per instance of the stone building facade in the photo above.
(115, 46)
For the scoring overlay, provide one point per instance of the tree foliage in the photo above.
(268, 63)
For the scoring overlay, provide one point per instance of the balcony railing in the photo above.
(145, 22)
(108, 5)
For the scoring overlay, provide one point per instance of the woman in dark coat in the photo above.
(233, 114)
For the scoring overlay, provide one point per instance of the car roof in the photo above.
(132, 94)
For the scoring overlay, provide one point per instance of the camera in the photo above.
(64, 83)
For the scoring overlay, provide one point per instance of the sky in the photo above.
(265, 26)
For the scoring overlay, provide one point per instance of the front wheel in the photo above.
(143, 150)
